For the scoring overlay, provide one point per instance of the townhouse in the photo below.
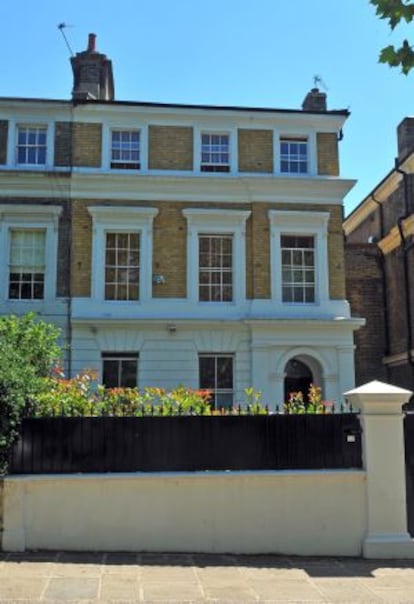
(189, 244)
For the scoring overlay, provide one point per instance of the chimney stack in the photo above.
(315, 100)
(405, 136)
(92, 74)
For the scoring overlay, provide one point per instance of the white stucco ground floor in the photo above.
(233, 355)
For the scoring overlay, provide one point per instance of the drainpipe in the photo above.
(69, 247)
(406, 246)
(383, 279)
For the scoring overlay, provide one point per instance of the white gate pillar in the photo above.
(384, 462)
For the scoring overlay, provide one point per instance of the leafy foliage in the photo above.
(396, 11)
(28, 351)
(314, 404)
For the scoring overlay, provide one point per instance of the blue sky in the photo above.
(225, 52)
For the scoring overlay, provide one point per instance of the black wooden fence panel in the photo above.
(187, 443)
(409, 469)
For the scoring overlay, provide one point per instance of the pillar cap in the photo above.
(378, 397)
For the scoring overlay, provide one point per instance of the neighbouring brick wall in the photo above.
(255, 150)
(63, 144)
(397, 311)
(327, 145)
(87, 145)
(370, 227)
(170, 148)
(364, 291)
(402, 375)
(4, 129)
(170, 251)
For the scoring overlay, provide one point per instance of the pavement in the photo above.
(123, 578)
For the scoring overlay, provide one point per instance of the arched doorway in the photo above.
(298, 377)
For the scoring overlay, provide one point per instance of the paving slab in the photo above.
(201, 578)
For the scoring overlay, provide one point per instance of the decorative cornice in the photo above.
(175, 187)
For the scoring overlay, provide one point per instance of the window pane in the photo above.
(128, 373)
(122, 266)
(225, 372)
(207, 372)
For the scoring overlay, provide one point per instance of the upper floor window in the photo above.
(125, 149)
(216, 253)
(299, 256)
(122, 266)
(28, 248)
(119, 369)
(298, 268)
(215, 268)
(216, 375)
(215, 153)
(31, 145)
(27, 264)
(294, 155)
(122, 253)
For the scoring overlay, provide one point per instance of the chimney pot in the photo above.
(91, 42)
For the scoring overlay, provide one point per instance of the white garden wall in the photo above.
(307, 513)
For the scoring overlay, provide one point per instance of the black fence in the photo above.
(409, 469)
(187, 443)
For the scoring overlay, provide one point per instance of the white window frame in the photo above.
(218, 391)
(121, 219)
(300, 223)
(217, 269)
(216, 222)
(26, 268)
(198, 131)
(107, 146)
(12, 140)
(30, 217)
(121, 268)
(312, 152)
(306, 287)
(117, 164)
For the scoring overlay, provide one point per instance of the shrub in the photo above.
(28, 350)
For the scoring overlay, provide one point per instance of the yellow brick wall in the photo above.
(336, 255)
(327, 148)
(258, 252)
(170, 251)
(170, 148)
(255, 150)
(258, 249)
(170, 247)
(87, 145)
(81, 249)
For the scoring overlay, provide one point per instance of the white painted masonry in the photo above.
(340, 512)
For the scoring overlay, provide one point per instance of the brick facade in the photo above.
(364, 291)
(63, 144)
(379, 218)
(170, 247)
(255, 150)
(4, 128)
(81, 249)
(327, 149)
(170, 251)
(170, 148)
(87, 145)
